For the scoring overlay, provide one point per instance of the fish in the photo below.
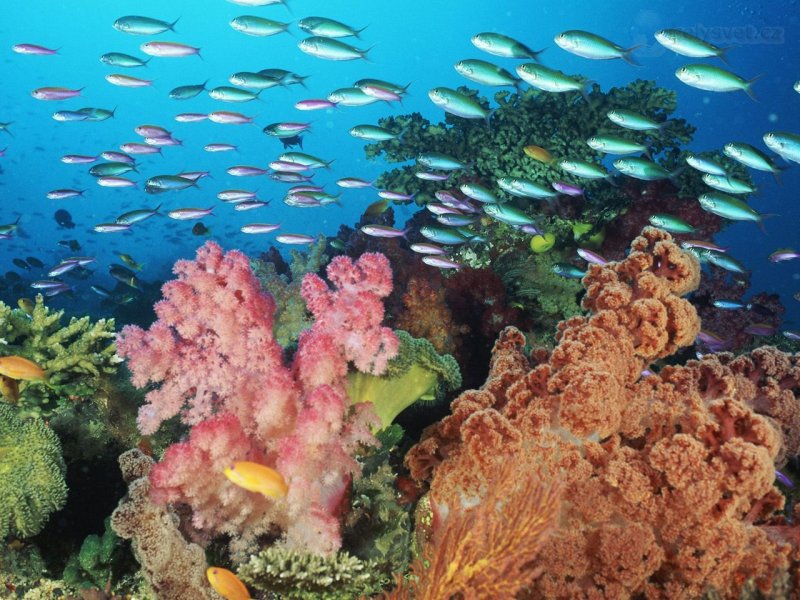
(550, 80)
(284, 77)
(503, 45)
(111, 227)
(671, 223)
(396, 196)
(33, 50)
(295, 238)
(63, 267)
(485, 73)
(329, 28)
(34, 262)
(226, 584)
(567, 189)
(314, 104)
(727, 184)
(21, 368)
(796, 86)
(200, 229)
(307, 160)
(64, 219)
(641, 168)
(795, 337)
(591, 256)
(111, 169)
(259, 2)
(137, 216)
(458, 104)
(66, 116)
(632, 120)
(127, 81)
(259, 227)
(724, 304)
(728, 207)
(524, 188)
(62, 194)
(686, 44)
(137, 25)
(761, 329)
(507, 214)
(78, 159)
(611, 144)
(18, 262)
(226, 93)
(219, 147)
(119, 59)
(383, 231)
(425, 248)
(439, 161)
(55, 93)
(331, 49)
(372, 133)
(236, 195)
(584, 169)
(715, 79)
(590, 45)
(246, 171)
(97, 114)
(567, 270)
(478, 192)
(752, 157)
(129, 260)
(354, 183)
(10, 227)
(168, 183)
(27, 305)
(254, 81)
(722, 260)
(351, 96)
(440, 262)
(138, 148)
(225, 117)
(783, 254)
(258, 26)
(186, 92)
(381, 93)
(455, 220)
(783, 143)
(430, 176)
(151, 131)
(705, 165)
(388, 85)
(448, 237)
(124, 275)
(249, 205)
(185, 214)
(286, 128)
(538, 153)
(115, 182)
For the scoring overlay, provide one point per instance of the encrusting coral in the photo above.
(668, 479)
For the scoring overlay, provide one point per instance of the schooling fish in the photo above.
(322, 26)
(705, 165)
(485, 73)
(351, 96)
(439, 161)
(383, 231)
(55, 93)
(641, 168)
(632, 120)
(33, 50)
(590, 45)
(787, 145)
(258, 26)
(550, 80)
(671, 223)
(752, 157)
(137, 25)
(502, 45)
(127, 81)
(259, 227)
(611, 144)
(185, 92)
(783, 254)
(686, 44)
(714, 79)
(458, 104)
(118, 59)
(331, 49)
(730, 185)
(372, 133)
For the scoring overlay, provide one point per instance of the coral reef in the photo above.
(31, 474)
(174, 567)
(76, 357)
(215, 357)
(668, 480)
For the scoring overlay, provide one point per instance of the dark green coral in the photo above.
(31, 474)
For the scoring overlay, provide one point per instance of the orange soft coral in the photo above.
(668, 479)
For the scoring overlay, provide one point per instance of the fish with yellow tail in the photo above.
(226, 584)
(256, 477)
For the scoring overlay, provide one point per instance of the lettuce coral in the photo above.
(31, 474)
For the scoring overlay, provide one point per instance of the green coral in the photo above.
(291, 316)
(417, 372)
(292, 575)
(31, 474)
(76, 356)
(94, 564)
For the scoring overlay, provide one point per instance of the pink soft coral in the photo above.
(217, 362)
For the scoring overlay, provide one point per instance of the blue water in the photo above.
(413, 41)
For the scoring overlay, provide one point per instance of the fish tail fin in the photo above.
(536, 54)
(627, 55)
(144, 62)
(488, 117)
(329, 163)
(358, 32)
(723, 53)
(286, 4)
(777, 174)
(748, 88)
(157, 208)
(760, 221)
(200, 56)
(301, 79)
(586, 88)
(518, 86)
(365, 52)
(172, 25)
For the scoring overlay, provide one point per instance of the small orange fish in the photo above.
(539, 153)
(17, 367)
(226, 584)
(256, 477)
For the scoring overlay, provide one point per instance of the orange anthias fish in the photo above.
(226, 584)
(256, 477)
(539, 153)
(16, 367)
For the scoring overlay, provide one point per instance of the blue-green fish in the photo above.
(785, 144)
(752, 157)
(568, 270)
(439, 161)
(485, 73)
(330, 49)
(143, 25)
(611, 144)
(136, 216)
(388, 85)
(721, 259)
(458, 104)
(590, 45)
(550, 80)
(641, 168)
(478, 192)
(502, 45)
(714, 79)
(671, 223)
(449, 237)
(329, 28)
(258, 26)
(705, 165)
(582, 168)
(254, 81)
(523, 188)
(632, 120)
(729, 185)
(118, 59)
(686, 44)
(729, 207)
(373, 133)
(508, 214)
(226, 93)
(185, 92)
(351, 96)
(111, 169)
